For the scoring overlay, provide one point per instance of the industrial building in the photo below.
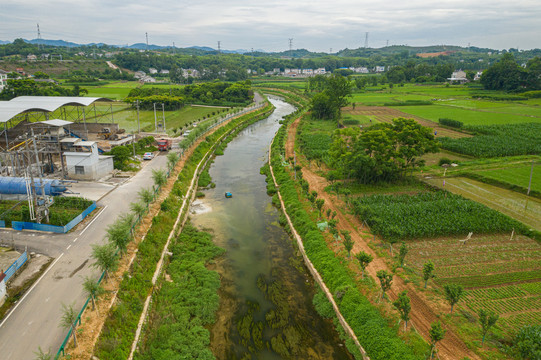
(47, 138)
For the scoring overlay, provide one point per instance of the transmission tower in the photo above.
(366, 40)
(39, 38)
(291, 47)
(219, 46)
(146, 34)
(387, 43)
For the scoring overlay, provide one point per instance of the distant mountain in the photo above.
(2, 42)
(53, 42)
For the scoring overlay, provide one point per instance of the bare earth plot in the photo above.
(518, 206)
(385, 114)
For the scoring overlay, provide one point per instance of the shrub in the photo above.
(450, 122)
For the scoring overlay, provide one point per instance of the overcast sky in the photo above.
(314, 25)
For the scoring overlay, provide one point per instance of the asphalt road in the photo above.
(35, 319)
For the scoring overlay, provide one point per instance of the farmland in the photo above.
(498, 140)
(429, 214)
(499, 274)
(517, 176)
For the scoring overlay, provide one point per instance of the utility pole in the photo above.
(138, 123)
(163, 115)
(530, 184)
(155, 118)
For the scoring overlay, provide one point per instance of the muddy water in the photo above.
(266, 309)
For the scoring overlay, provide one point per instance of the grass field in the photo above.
(519, 176)
(467, 116)
(173, 119)
(499, 274)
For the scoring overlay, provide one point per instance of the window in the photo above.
(79, 169)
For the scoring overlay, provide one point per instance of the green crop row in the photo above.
(493, 279)
(478, 268)
(118, 331)
(503, 306)
(498, 140)
(430, 214)
(373, 331)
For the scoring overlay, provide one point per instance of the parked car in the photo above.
(148, 156)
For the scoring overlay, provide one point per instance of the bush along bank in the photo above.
(186, 302)
(118, 331)
(372, 330)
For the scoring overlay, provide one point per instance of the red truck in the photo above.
(164, 144)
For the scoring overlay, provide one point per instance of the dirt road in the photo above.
(422, 313)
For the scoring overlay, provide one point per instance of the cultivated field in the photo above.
(499, 274)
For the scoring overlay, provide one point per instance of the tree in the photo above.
(348, 242)
(106, 259)
(334, 96)
(121, 156)
(385, 280)
(505, 75)
(319, 205)
(119, 232)
(92, 289)
(159, 177)
(402, 254)
(41, 355)
(453, 294)
(138, 209)
(487, 319)
(527, 343)
(428, 271)
(146, 195)
(68, 319)
(436, 334)
(364, 259)
(172, 159)
(404, 307)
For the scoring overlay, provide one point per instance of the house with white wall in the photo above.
(3, 79)
(84, 162)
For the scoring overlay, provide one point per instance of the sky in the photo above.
(314, 25)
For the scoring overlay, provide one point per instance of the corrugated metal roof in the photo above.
(56, 122)
(22, 104)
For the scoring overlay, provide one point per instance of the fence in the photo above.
(5, 276)
(24, 225)
(61, 350)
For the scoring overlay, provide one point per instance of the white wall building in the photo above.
(84, 162)
(3, 79)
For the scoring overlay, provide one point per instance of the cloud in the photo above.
(316, 25)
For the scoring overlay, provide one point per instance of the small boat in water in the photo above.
(228, 195)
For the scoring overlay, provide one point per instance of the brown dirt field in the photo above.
(386, 115)
(93, 321)
(423, 313)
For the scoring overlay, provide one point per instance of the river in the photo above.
(266, 309)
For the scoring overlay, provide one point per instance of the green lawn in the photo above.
(173, 119)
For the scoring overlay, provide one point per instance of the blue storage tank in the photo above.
(17, 185)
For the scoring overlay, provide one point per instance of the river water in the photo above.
(266, 309)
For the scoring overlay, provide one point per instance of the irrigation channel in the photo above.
(266, 309)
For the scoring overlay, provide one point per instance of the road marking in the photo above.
(68, 247)
(32, 288)
(74, 240)
(102, 211)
